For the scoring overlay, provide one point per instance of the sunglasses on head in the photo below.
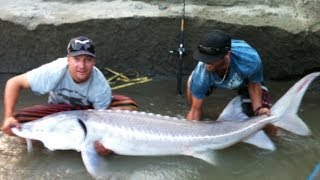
(212, 51)
(81, 45)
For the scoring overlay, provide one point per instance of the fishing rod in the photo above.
(181, 51)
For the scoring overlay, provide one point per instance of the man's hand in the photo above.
(262, 110)
(101, 150)
(8, 123)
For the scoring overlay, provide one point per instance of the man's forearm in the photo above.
(255, 93)
(12, 93)
(194, 115)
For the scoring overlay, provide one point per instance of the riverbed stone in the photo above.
(138, 35)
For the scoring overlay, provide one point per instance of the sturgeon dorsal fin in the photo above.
(233, 111)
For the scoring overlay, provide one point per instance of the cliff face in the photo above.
(139, 34)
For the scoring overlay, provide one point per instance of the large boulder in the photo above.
(139, 34)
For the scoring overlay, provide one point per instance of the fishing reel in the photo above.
(181, 51)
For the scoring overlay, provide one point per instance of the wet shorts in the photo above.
(246, 101)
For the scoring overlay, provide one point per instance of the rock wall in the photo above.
(135, 40)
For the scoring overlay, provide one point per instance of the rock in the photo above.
(285, 33)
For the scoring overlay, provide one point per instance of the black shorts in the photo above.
(246, 101)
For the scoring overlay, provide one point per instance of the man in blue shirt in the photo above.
(230, 64)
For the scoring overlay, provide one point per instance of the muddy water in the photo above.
(294, 158)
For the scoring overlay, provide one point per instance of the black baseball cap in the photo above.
(213, 46)
(81, 45)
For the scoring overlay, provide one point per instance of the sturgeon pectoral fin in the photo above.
(261, 140)
(95, 164)
(207, 156)
(29, 145)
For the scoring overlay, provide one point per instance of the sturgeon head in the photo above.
(59, 131)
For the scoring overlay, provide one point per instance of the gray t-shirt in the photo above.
(54, 78)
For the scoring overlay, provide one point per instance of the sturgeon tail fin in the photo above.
(287, 107)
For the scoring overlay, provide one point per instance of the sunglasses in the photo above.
(81, 45)
(212, 51)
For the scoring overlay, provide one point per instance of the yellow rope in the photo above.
(130, 84)
(116, 74)
(122, 78)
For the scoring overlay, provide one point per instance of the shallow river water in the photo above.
(294, 158)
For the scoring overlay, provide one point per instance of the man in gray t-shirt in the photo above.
(71, 80)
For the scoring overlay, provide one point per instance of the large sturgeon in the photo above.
(146, 134)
